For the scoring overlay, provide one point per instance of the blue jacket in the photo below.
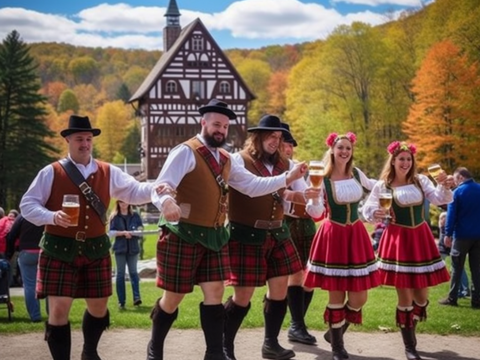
(122, 245)
(463, 213)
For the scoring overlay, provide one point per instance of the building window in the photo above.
(224, 87)
(198, 89)
(171, 87)
(197, 44)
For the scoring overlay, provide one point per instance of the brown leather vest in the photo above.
(89, 221)
(246, 210)
(200, 193)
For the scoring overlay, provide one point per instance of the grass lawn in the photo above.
(378, 312)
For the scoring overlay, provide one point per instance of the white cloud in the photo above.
(124, 26)
(383, 2)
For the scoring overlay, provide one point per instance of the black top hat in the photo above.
(288, 137)
(217, 106)
(270, 123)
(79, 124)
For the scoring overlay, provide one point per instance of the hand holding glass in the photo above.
(316, 170)
(385, 199)
(71, 207)
(434, 170)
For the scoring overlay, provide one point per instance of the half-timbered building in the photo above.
(191, 71)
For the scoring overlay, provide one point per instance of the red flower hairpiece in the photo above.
(334, 137)
(397, 146)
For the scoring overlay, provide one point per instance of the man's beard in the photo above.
(212, 142)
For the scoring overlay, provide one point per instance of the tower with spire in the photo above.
(172, 30)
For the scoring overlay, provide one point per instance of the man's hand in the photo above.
(447, 240)
(61, 218)
(165, 189)
(299, 170)
(171, 211)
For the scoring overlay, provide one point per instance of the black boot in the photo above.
(93, 328)
(307, 299)
(274, 312)
(408, 336)
(298, 330)
(234, 316)
(59, 340)
(338, 349)
(161, 324)
(212, 318)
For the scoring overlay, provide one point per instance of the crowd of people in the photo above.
(207, 239)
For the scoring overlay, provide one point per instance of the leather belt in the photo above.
(267, 225)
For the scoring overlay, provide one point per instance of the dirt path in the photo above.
(189, 344)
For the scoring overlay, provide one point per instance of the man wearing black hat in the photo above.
(75, 261)
(302, 228)
(192, 249)
(261, 249)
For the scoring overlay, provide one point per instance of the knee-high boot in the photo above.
(406, 324)
(337, 325)
(59, 340)
(297, 331)
(93, 328)
(307, 299)
(419, 314)
(161, 324)
(274, 312)
(212, 319)
(234, 316)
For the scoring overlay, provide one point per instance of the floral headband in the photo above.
(334, 137)
(397, 146)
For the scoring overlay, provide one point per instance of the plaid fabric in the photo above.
(302, 242)
(253, 265)
(419, 312)
(82, 278)
(404, 318)
(354, 317)
(211, 161)
(278, 169)
(334, 316)
(181, 265)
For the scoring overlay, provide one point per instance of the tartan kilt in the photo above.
(253, 265)
(302, 242)
(182, 265)
(82, 278)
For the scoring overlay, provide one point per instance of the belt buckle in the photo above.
(81, 236)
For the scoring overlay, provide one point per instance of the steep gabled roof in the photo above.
(166, 58)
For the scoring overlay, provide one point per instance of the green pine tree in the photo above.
(23, 133)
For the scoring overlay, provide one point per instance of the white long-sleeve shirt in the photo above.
(122, 186)
(181, 161)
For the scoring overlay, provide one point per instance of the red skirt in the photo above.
(342, 259)
(409, 258)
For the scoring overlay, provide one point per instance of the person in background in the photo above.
(260, 247)
(81, 254)
(29, 236)
(377, 234)
(192, 248)
(464, 289)
(408, 256)
(6, 223)
(342, 260)
(302, 228)
(123, 222)
(462, 226)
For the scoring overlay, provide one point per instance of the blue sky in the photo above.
(233, 23)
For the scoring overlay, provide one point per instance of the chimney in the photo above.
(171, 32)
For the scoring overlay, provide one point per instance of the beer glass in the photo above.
(71, 206)
(385, 199)
(316, 172)
(434, 170)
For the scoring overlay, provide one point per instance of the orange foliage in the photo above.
(53, 90)
(277, 88)
(443, 120)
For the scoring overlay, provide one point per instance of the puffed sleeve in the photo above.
(437, 195)
(372, 202)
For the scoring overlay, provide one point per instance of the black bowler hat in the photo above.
(270, 123)
(79, 124)
(288, 137)
(217, 106)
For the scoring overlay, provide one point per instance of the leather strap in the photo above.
(77, 178)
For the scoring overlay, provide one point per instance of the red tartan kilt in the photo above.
(83, 278)
(181, 265)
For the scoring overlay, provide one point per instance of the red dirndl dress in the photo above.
(408, 256)
(342, 256)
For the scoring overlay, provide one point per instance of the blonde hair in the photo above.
(388, 171)
(329, 159)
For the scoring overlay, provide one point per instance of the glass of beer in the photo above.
(71, 206)
(434, 170)
(316, 171)
(385, 199)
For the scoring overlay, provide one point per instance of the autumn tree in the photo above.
(277, 87)
(68, 101)
(444, 120)
(23, 149)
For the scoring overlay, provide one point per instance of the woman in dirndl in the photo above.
(342, 260)
(408, 256)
